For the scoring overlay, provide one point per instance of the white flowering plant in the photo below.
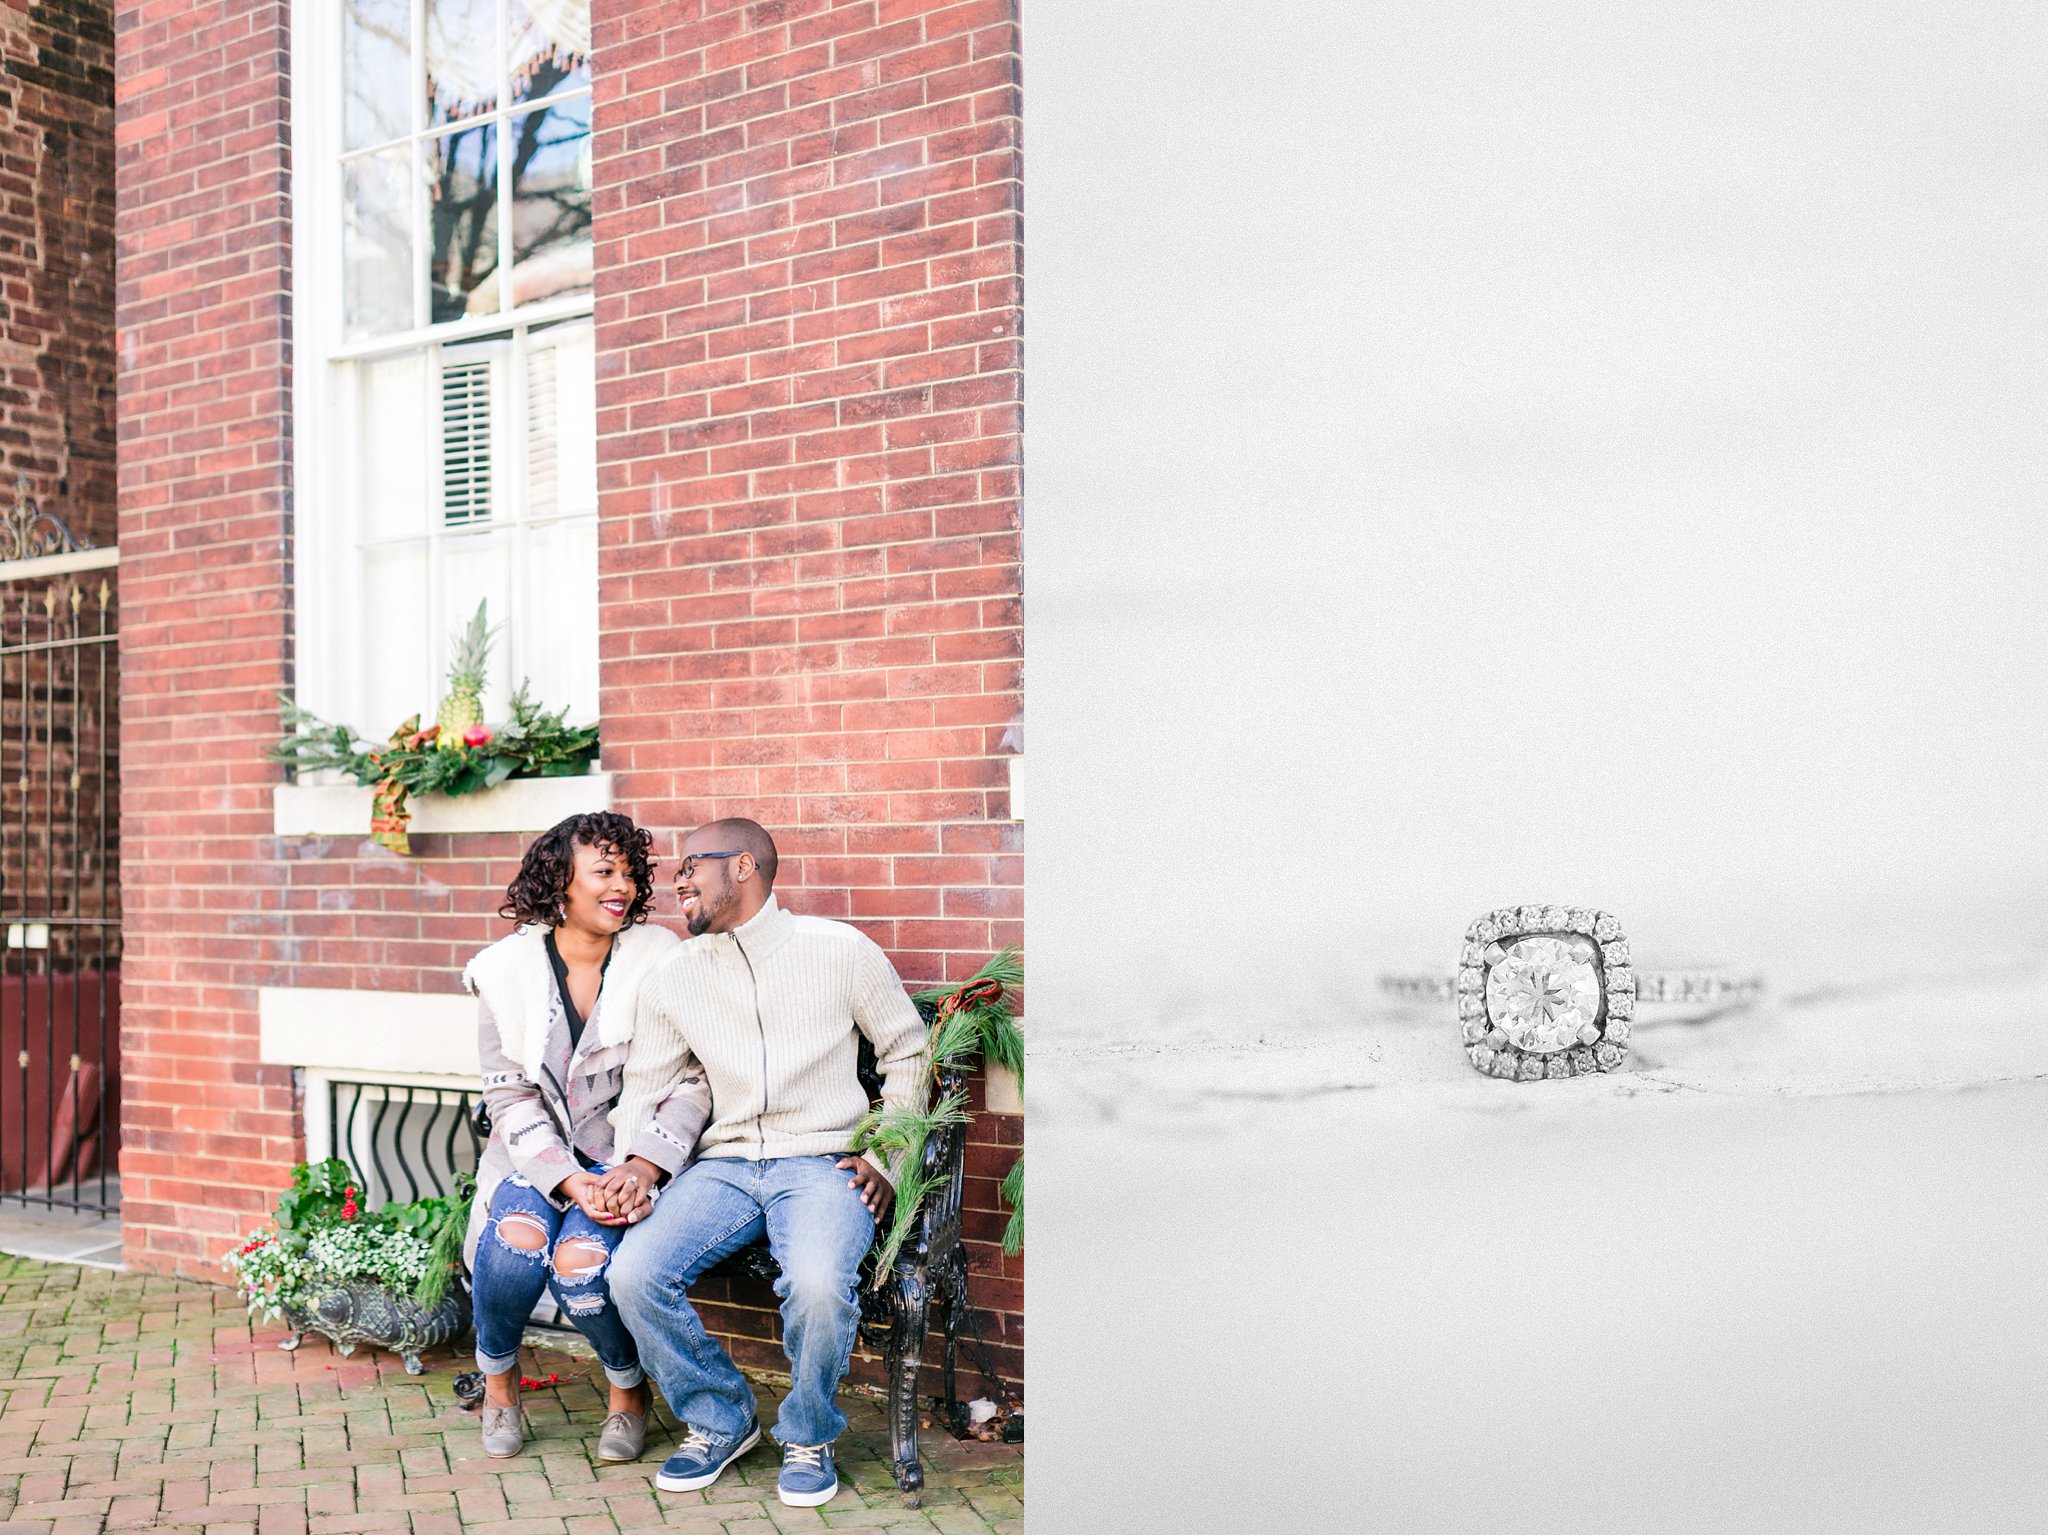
(320, 1235)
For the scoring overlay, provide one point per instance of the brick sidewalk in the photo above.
(133, 1402)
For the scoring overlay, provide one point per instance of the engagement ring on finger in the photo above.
(1552, 991)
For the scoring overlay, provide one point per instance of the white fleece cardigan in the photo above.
(542, 1103)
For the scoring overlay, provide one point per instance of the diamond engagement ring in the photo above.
(1551, 991)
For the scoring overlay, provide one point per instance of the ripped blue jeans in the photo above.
(527, 1246)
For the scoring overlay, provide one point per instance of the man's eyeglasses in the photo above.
(688, 866)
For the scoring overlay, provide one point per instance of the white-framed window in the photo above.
(445, 395)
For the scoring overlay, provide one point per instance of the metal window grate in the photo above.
(466, 443)
(407, 1142)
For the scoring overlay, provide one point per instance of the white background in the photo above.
(1480, 454)
(1494, 453)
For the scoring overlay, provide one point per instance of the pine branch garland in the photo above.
(974, 1020)
(446, 1253)
(537, 743)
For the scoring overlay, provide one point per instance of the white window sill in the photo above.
(520, 804)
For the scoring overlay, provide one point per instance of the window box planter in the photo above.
(516, 805)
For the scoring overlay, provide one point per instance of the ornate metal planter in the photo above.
(360, 1311)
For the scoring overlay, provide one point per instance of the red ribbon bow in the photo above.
(974, 994)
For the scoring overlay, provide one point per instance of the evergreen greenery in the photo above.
(970, 1022)
(536, 743)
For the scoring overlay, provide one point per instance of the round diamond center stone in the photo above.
(1540, 993)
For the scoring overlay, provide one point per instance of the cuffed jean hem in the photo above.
(625, 1379)
(492, 1364)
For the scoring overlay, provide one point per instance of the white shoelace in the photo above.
(811, 1455)
(698, 1441)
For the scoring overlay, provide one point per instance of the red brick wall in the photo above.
(203, 314)
(57, 259)
(809, 256)
(809, 425)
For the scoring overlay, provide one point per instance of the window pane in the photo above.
(473, 570)
(392, 439)
(377, 243)
(462, 169)
(550, 47)
(376, 71)
(551, 201)
(396, 645)
(462, 59)
(561, 422)
(560, 616)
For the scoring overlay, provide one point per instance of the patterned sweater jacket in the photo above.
(771, 1014)
(547, 1102)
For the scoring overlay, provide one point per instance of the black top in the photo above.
(561, 969)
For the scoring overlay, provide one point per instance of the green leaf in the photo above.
(1012, 1190)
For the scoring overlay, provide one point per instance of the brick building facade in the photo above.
(805, 224)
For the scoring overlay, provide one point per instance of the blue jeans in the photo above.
(527, 1246)
(818, 1230)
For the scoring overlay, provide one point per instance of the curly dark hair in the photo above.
(535, 894)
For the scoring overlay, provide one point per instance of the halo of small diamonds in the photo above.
(1564, 1005)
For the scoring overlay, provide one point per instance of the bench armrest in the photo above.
(945, 1162)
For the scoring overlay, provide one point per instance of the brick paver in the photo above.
(132, 1401)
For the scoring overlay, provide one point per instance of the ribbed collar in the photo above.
(766, 931)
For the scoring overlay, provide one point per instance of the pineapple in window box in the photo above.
(462, 711)
(458, 754)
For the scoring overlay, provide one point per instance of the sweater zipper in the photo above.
(760, 1130)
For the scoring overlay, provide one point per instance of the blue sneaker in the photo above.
(807, 1476)
(701, 1457)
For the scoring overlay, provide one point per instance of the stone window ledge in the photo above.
(519, 804)
(370, 1034)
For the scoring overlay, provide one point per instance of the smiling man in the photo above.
(772, 1005)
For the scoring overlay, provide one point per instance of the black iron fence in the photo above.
(60, 997)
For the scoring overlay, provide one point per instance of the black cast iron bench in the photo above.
(930, 1271)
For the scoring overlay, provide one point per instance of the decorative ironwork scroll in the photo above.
(27, 532)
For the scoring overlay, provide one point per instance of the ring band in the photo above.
(1657, 988)
(1544, 992)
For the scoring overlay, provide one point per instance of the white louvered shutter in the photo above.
(467, 445)
(543, 460)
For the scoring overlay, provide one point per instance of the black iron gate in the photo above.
(60, 998)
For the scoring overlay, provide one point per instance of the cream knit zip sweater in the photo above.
(770, 1011)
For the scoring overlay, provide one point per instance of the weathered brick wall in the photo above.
(203, 314)
(809, 609)
(809, 242)
(57, 259)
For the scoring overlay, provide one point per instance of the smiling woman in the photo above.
(554, 1029)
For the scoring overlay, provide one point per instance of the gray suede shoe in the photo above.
(624, 1436)
(504, 1430)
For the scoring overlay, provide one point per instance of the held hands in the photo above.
(620, 1197)
(629, 1188)
(875, 1190)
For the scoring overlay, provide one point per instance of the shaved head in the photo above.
(742, 835)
